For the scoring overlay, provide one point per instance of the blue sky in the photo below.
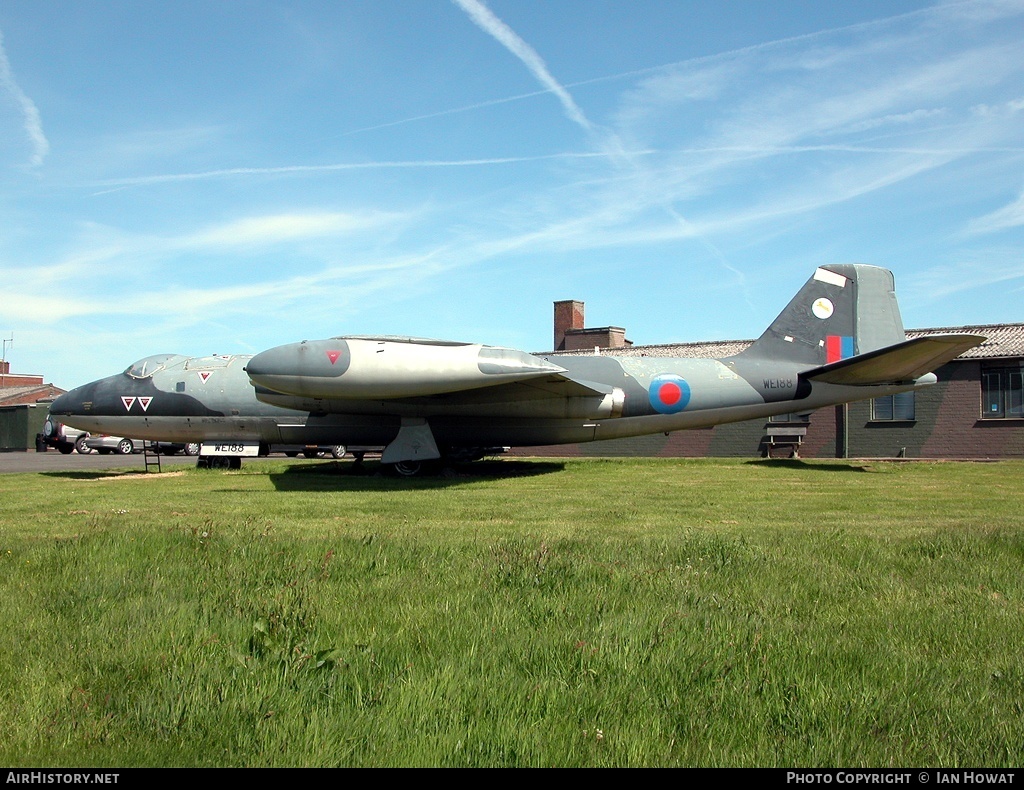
(200, 178)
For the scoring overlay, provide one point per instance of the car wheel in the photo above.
(192, 448)
(81, 447)
(66, 448)
(338, 451)
(125, 446)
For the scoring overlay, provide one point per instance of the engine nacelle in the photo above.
(358, 368)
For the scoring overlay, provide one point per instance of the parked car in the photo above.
(325, 450)
(105, 444)
(63, 437)
(173, 448)
(310, 450)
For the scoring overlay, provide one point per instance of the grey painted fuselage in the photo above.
(840, 339)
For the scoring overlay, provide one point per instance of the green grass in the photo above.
(515, 613)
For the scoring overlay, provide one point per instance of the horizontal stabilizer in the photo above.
(905, 361)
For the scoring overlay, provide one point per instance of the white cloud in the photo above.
(1009, 216)
(973, 270)
(277, 228)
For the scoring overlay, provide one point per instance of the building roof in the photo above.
(17, 396)
(1003, 340)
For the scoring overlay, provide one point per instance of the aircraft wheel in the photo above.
(414, 468)
(407, 468)
(125, 446)
(219, 462)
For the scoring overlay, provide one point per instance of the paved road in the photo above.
(54, 461)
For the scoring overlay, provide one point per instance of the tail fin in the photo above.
(843, 310)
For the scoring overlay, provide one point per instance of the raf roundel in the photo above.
(669, 393)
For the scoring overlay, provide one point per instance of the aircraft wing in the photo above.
(900, 362)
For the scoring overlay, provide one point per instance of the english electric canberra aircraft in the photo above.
(840, 339)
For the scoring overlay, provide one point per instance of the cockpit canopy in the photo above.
(146, 367)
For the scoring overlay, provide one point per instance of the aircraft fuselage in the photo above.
(840, 339)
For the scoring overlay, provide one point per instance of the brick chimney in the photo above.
(568, 315)
(5, 367)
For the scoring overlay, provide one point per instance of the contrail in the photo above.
(33, 123)
(490, 24)
(695, 61)
(314, 169)
(610, 145)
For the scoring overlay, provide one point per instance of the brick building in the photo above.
(18, 389)
(24, 401)
(572, 335)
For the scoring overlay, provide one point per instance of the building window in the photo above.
(1001, 393)
(892, 408)
(803, 418)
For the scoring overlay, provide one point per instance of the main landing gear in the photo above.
(219, 462)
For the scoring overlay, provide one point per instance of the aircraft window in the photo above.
(145, 368)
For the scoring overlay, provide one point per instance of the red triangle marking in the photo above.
(144, 403)
(333, 356)
(204, 375)
(127, 401)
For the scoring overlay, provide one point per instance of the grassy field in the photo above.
(515, 613)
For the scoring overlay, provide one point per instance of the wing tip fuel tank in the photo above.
(389, 368)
